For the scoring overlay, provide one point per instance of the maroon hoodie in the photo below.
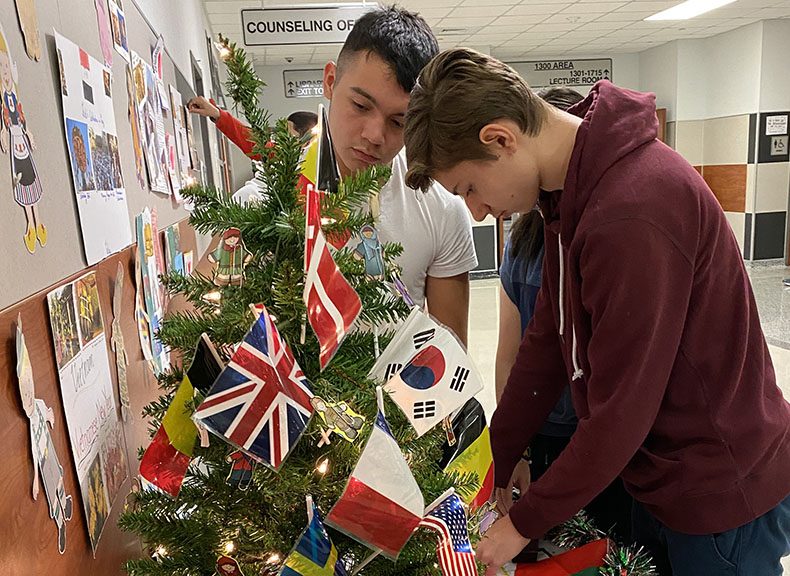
(646, 309)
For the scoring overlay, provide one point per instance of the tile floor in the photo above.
(773, 301)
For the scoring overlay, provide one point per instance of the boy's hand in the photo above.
(499, 545)
(520, 479)
(201, 106)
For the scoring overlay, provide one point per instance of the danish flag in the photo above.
(332, 304)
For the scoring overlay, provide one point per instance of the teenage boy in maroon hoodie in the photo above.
(646, 309)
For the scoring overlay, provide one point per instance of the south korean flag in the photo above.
(417, 331)
(437, 380)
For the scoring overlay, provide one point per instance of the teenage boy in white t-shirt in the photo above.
(369, 92)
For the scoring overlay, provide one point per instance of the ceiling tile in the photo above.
(529, 9)
(478, 11)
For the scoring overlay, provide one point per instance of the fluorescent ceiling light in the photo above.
(689, 9)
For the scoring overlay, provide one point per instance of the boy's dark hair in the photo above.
(457, 94)
(526, 236)
(401, 38)
(303, 121)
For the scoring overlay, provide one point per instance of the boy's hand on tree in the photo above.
(519, 479)
(202, 107)
(499, 545)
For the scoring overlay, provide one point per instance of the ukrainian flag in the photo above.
(314, 553)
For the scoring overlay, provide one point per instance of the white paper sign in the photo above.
(316, 25)
(776, 125)
(89, 118)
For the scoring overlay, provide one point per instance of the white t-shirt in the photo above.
(252, 192)
(434, 228)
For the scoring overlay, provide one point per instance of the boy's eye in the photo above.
(359, 106)
(398, 124)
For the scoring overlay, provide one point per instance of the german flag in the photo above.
(167, 458)
(471, 451)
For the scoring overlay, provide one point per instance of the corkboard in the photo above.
(28, 537)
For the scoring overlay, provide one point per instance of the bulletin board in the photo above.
(28, 537)
(39, 93)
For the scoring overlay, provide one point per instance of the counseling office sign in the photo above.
(282, 26)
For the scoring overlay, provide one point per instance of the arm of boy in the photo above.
(637, 299)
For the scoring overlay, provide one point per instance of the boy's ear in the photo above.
(500, 136)
(330, 76)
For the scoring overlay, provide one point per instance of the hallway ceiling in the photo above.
(524, 29)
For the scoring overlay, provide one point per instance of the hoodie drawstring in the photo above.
(577, 371)
(562, 285)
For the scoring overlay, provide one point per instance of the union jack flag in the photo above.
(261, 400)
(448, 518)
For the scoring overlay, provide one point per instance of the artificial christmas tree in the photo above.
(211, 515)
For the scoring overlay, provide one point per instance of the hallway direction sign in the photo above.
(328, 24)
(303, 83)
(554, 73)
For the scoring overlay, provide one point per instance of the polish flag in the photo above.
(382, 504)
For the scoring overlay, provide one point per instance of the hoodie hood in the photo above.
(615, 122)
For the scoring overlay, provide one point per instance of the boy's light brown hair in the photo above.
(458, 93)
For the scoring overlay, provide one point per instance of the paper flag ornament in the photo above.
(382, 504)
(447, 517)
(261, 401)
(314, 553)
(167, 458)
(332, 304)
(436, 380)
(471, 452)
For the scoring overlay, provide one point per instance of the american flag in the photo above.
(261, 400)
(456, 557)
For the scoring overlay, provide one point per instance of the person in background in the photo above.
(300, 123)
(368, 89)
(520, 273)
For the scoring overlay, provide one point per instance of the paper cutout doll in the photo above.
(241, 469)
(231, 257)
(28, 22)
(26, 183)
(46, 467)
(339, 418)
(227, 566)
(121, 358)
(369, 250)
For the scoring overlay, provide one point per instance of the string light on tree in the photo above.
(229, 547)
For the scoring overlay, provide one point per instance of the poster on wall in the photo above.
(89, 122)
(180, 133)
(151, 259)
(97, 441)
(105, 35)
(118, 28)
(152, 125)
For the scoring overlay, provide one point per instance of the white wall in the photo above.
(692, 80)
(775, 77)
(733, 71)
(658, 73)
